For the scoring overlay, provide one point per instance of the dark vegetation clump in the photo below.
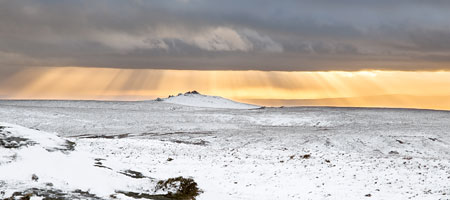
(133, 174)
(67, 146)
(393, 152)
(199, 142)
(70, 146)
(34, 177)
(137, 195)
(52, 194)
(98, 163)
(85, 194)
(118, 136)
(26, 196)
(11, 142)
(306, 156)
(179, 188)
(14, 142)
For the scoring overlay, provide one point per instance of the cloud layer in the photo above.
(299, 35)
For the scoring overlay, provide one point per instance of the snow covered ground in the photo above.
(267, 153)
(198, 100)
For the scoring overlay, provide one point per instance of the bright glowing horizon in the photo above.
(371, 88)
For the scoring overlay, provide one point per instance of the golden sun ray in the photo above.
(333, 88)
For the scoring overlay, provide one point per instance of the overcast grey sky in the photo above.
(303, 35)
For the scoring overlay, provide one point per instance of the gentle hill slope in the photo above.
(198, 100)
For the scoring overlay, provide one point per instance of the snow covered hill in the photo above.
(198, 100)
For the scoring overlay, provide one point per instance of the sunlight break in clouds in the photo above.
(362, 88)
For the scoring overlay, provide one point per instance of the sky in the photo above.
(267, 43)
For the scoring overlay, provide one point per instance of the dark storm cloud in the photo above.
(234, 34)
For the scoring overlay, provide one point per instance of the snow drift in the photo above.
(43, 165)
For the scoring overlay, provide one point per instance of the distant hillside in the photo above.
(198, 100)
(390, 101)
